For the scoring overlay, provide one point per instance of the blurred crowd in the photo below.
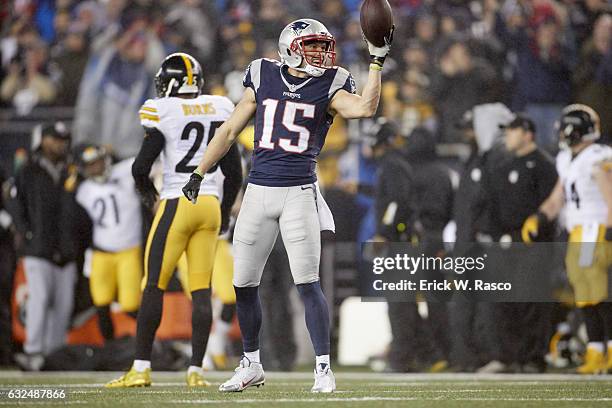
(100, 57)
(534, 56)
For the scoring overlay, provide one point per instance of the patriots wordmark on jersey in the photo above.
(188, 125)
(291, 121)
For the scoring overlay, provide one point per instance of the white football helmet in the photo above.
(292, 51)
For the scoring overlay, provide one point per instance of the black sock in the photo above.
(105, 322)
(149, 317)
(227, 312)
(201, 320)
(248, 309)
(317, 316)
(605, 312)
(594, 323)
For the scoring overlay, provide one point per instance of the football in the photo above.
(376, 18)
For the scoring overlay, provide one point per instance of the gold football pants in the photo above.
(180, 226)
(223, 273)
(590, 283)
(116, 274)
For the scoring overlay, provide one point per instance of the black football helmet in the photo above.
(179, 74)
(578, 123)
(88, 153)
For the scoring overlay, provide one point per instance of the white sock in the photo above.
(323, 359)
(195, 369)
(609, 344)
(141, 365)
(222, 327)
(218, 338)
(253, 356)
(596, 345)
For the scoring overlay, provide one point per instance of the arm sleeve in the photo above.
(77, 226)
(231, 167)
(152, 145)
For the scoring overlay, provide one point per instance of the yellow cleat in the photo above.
(438, 367)
(594, 362)
(196, 380)
(609, 359)
(220, 361)
(132, 378)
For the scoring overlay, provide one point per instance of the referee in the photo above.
(516, 188)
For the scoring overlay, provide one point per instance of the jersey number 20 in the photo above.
(291, 109)
(183, 166)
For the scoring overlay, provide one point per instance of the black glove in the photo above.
(147, 191)
(192, 188)
(536, 227)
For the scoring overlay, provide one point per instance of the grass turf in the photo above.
(292, 390)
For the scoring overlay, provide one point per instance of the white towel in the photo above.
(590, 233)
(326, 219)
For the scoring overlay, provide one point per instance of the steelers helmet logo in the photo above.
(299, 26)
(513, 177)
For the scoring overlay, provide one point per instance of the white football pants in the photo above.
(264, 211)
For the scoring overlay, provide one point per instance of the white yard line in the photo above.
(42, 402)
(509, 382)
(368, 399)
(147, 391)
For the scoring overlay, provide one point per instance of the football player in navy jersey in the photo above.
(293, 103)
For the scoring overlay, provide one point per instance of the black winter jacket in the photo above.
(39, 205)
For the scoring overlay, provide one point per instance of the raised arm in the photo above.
(352, 106)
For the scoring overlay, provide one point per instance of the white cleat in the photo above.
(247, 374)
(324, 379)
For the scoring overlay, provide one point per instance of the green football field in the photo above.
(292, 390)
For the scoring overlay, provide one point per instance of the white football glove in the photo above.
(378, 54)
